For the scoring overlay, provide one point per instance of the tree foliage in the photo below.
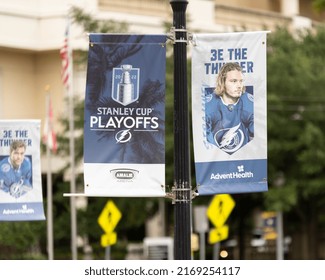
(296, 114)
(296, 105)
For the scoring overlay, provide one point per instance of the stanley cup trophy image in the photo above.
(125, 89)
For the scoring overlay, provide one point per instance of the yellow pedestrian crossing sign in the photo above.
(218, 212)
(109, 217)
(220, 209)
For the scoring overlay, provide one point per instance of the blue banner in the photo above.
(21, 196)
(124, 129)
(229, 112)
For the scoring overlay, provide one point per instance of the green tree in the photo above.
(296, 154)
(21, 240)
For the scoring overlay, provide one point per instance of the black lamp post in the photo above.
(182, 179)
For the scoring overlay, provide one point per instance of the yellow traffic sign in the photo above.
(269, 225)
(268, 214)
(109, 217)
(272, 235)
(108, 239)
(220, 208)
(218, 234)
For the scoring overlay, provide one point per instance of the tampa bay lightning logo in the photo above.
(123, 136)
(229, 139)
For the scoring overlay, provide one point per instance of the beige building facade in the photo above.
(32, 33)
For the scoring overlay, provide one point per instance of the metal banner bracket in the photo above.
(183, 37)
(180, 195)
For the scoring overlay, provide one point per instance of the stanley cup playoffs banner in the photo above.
(21, 196)
(229, 112)
(124, 140)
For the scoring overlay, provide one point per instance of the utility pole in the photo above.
(50, 239)
(182, 179)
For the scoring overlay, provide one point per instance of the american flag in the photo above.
(49, 136)
(64, 53)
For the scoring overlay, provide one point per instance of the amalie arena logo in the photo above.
(124, 174)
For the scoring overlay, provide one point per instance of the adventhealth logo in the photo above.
(23, 210)
(240, 173)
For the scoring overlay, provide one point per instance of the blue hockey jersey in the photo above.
(10, 176)
(231, 126)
